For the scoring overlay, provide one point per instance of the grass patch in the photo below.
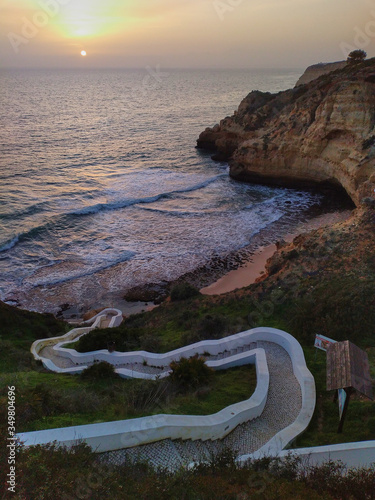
(169, 327)
(18, 330)
(47, 400)
(227, 387)
(360, 419)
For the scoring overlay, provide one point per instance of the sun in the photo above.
(83, 53)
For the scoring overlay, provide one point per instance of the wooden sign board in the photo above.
(348, 367)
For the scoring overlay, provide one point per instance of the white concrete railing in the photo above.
(109, 436)
(126, 433)
(307, 384)
(357, 454)
(116, 319)
(106, 436)
(72, 335)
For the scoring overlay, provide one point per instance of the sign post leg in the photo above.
(348, 391)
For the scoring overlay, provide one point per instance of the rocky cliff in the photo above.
(317, 70)
(320, 133)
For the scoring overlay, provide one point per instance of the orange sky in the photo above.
(183, 33)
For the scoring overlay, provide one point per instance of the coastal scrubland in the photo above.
(50, 472)
(322, 282)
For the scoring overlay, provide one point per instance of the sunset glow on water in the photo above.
(106, 185)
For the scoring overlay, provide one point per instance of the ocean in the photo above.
(102, 188)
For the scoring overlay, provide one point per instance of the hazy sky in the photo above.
(183, 33)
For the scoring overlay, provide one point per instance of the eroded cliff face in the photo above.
(317, 70)
(321, 133)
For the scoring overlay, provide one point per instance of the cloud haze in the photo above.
(183, 33)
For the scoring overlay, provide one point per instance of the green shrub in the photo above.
(335, 309)
(356, 56)
(189, 338)
(28, 325)
(51, 400)
(125, 339)
(185, 319)
(150, 343)
(49, 472)
(183, 291)
(224, 459)
(212, 326)
(99, 371)
(191, 372)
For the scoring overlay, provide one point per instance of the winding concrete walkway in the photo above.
(280, 408)
(283, 405)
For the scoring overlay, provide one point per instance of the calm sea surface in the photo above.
(102, 187)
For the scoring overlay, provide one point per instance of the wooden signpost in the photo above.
(348, 370)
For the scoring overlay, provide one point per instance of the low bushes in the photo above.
(183, 291)
(190, 372)
(125, 339)
(340, 308)
(48, 400)
(149, 395)
(99, 371)
(49, 472)
(28, 325)
(210, 326)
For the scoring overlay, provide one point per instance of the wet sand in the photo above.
(255, 267)
(221, 275)
(243, 276)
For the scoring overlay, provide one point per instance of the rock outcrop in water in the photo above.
(318, 134)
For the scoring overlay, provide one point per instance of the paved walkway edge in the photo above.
(357, 454)
(126, 433)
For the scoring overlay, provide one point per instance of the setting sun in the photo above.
(83, 53)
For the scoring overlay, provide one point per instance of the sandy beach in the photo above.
(255, 267)
(243, 276)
